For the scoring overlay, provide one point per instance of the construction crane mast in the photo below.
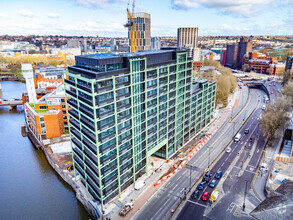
(130, 23)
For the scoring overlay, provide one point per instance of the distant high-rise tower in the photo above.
(28, 74)
(187, 38)
(244, 47)
(142, 28)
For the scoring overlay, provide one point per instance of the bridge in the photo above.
(12, 103)
(258, 85)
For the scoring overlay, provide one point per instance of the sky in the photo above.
(105, 18)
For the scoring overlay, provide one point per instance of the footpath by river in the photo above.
(29, 186)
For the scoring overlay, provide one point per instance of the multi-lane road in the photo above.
(168, 196)
(194, 208)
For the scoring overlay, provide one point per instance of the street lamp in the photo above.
(244, 194)
(191, 167)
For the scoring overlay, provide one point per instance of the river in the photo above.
(29, 186)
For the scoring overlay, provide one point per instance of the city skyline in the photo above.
(106, 18)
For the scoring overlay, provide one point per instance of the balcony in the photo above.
(69, 82)
(74, 114)
(76, 134)
(84, 88)
(71, 93)
(88, 123)
(88, 134)
(75, 124)
(89, 145)
(87, 101)
(86, 112)
(72, 103)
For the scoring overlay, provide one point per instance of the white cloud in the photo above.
(4, 16)
(226, 27)
(53, 15)
(98, 3)
(235, 7)
(26, 13)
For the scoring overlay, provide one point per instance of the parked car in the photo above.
(195, 194)
(218, 175)
(201, 185)
(205, 196)
(246, 131)
(212, 183)
(207, 176)
(228, 150)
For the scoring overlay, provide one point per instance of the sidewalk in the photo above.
(259, 183)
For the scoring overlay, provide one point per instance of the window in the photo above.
(65, 123)
(62, 100)
(43, 107)
(63, 106)
(64, 117)
(64, 112)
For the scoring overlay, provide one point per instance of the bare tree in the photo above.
(245, 68)
(276, 117)
(288, 91)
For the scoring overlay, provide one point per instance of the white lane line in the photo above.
(197, 203)
(226, 159)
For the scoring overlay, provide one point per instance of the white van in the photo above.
(263, 107)
(237, 138)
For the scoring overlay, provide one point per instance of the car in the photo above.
(206, 178)
(218, 174)
(263, 107)
(209, 173)
(246, 131)
(205, 196)
(228, 150)
(212, 183)
(201, 185)
(195, 194)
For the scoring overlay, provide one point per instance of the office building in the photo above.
(289, 64)
(231, 55)
(244, 47)
(142, 28)
(124, 108)
(188, 38)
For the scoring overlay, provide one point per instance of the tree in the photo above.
(286, 77)
(245, 67)
(276, 117)
(288, 92)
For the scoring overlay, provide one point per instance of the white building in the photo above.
(28, 74)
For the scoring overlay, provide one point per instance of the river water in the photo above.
(29, 186)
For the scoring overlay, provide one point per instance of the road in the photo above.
(173, 191)
(194, 208)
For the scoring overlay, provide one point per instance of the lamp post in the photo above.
(245, 194)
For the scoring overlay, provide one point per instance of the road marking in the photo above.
(231, 207)
(197, 203)
(226, 159)
(257, 151)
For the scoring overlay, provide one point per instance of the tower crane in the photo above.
(130, 23)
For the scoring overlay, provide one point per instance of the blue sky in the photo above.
(106, 17)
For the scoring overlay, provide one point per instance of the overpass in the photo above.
(12, 103)
(258, 85)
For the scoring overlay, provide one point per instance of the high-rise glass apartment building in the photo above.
(125, 108)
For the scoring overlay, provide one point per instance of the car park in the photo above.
(205, 196)
(212, 183)
(201, 185)
(228, 150)
(218, 174)
(195, 194)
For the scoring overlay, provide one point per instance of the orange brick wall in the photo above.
(52, 125)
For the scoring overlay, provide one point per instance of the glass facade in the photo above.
(144, 110)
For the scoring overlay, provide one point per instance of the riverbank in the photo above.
(58, 163)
